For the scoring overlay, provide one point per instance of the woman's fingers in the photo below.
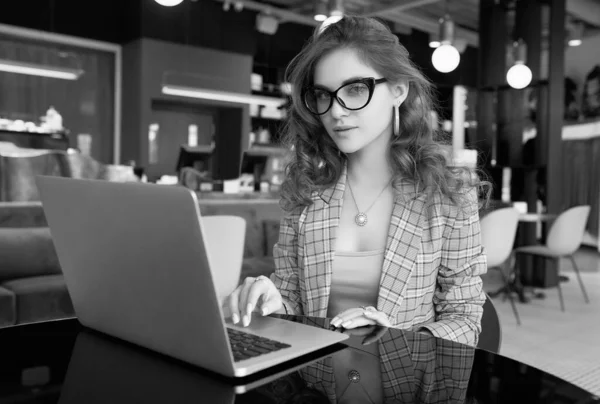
(356, 322)
(243, 300)
(345, 316)
(379, 317)
(271, 304)
(359, 317)
(253, 290)
(238, 302)
(262, 287)
(232, 301)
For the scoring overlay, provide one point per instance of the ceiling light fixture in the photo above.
(320, 10)
(576, 34)
(32, 69)
(446, 57)
(336, 14)
(225, 96)
(168, 3)
(519, 75)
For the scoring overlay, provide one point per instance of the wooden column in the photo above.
(528, 27)
(493, 36)
(554, 170)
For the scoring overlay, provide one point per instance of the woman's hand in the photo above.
(360, 317)
(245, 299)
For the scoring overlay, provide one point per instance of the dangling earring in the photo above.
(397, 119)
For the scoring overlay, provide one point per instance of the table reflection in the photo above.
(380, 366)
(66, 363)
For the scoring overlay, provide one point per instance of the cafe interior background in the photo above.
(192, 93)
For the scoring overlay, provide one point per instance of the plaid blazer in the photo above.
(430, 276)
(415, 368)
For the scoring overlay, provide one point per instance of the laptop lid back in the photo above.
(136, 266)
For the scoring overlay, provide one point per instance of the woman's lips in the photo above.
(343, 130)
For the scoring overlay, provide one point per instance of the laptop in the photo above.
(136, 263)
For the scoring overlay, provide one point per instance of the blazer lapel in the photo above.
(403, 245)
(322, 222)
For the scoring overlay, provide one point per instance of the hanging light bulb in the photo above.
(336, 14)
(519, 75)
(168, 3)
(446, 57)
(320, 11)
(434, 41)
(575, 34)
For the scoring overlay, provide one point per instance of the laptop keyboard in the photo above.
(246, 346)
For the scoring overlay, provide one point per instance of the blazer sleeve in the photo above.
(459, 295)
(285, 254)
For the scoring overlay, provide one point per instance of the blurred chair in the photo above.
(498, 232)
(564, 238)
(490, 338)
(18, 171)
(224, 236)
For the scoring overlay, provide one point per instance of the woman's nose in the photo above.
(337, 110)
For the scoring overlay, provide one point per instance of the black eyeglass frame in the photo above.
(370, 82)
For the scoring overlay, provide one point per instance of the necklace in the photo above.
(361, 218)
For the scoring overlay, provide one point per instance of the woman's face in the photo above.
(354, 130)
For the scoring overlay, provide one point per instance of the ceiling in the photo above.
(423, 15)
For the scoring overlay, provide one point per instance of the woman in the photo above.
(378, 229)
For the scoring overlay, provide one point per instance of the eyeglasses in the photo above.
(353, 96)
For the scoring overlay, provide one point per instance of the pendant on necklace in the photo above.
(354, 376)
(360, 219)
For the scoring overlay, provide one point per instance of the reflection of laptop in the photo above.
(105, 371)
(136, 264)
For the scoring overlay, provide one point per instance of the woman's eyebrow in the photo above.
(350, 80)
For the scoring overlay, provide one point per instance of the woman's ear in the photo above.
(400, 92)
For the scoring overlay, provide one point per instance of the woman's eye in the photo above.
(321, 95)
(357, 89)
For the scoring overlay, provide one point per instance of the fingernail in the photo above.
(265, 311)
(249, 308)
(235, 318)
(335, 321)
(245, 321)
(347, 323)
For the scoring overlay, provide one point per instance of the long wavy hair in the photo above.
(418, 155)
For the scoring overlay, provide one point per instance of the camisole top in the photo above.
(355, 283)
(355, 280)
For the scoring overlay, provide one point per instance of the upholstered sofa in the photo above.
(31, 284)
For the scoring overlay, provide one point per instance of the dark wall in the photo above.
(203, 24)
(105, 20)
(143, 75)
